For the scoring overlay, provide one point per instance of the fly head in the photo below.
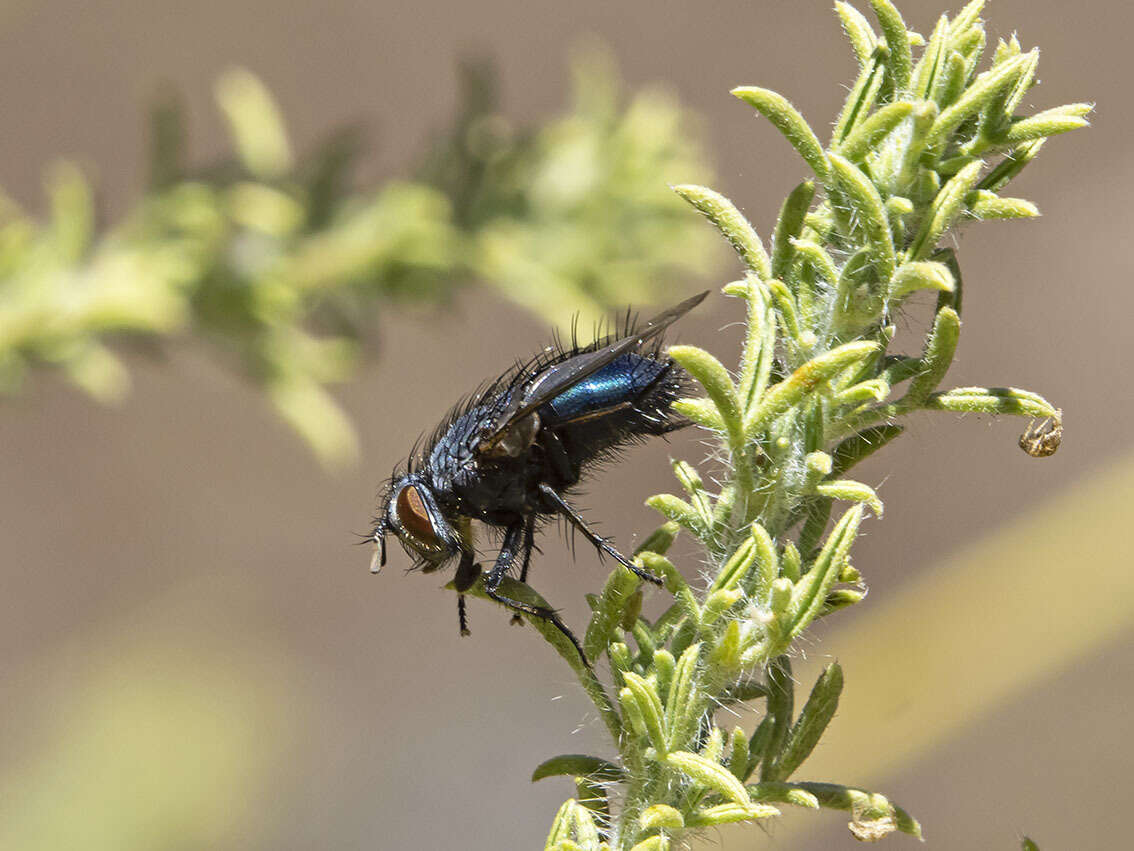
(412, 513)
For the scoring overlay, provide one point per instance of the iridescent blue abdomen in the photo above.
(622, 380)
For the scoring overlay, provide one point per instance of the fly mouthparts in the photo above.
(378, 560)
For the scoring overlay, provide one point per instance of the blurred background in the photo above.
(193, 653)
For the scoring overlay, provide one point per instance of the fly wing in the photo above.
(566, 375)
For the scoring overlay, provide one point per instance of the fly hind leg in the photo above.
(560, 505)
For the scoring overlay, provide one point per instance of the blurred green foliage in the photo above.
(281, 262)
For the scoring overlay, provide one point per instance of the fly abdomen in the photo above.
(618, 384)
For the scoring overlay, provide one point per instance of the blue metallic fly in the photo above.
(510, 455)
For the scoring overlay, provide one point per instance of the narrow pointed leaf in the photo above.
(864, 137)
(780, 703)
(862, 193)
(787, 119)
(682, 706)
(649, 705)
(897, 39)
(813, 720)
(858, 30)
(947, 206)
(578, 765)
(619, 587)
(731, 223)
(862, 445)
(991, 400)
(788, 227)
(940, 347)
(710, 774)
(851, 491)
(701, 411)
(806, 380)
(810, 592)
(921, 275)
(730, 814)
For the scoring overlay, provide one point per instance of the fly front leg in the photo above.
(560, 505)
(528, 546)
(514, 538)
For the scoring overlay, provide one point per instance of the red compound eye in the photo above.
(414, 516)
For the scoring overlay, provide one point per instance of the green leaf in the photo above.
(738, 754)
(817, 256)
(865, 137)
(679, 511)
(736, 568)
(785, 305)
(788, 227)
(255, 124)
(813, 720)
(783, 793)
(619, 587)
(851, 491)
(72, 212)
(921, 275)
(683, 704)
(968, 17)
(807, 379)
(573, 828)
(940, 346)
(710, 774)
(653, 843)
(862, 445)
(691, 482)
(863, 96)
(897, 39)
(759, 350)
(661, 817)
(946, 207)
(659, 565)
(986, 87)
(809, 593)
(780, 702)
(858, 30)
(787, 119)
(731, 223)
(650, 708)
(1050, 122)
(932, 61)
(578, 765)
(730, 814)
(991, 400)
(1011, 165)
(983, 204)
(659, 541)
(702, 411)
(871, 218)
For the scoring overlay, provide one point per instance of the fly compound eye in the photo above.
(415, 523)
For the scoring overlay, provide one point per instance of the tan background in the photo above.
(193, 654)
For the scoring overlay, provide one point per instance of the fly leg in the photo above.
(528, 546)
(561, 505)
(514, 538)
(467, 573)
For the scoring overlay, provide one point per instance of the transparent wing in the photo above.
(566, 375)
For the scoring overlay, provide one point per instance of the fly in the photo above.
(511, 454)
